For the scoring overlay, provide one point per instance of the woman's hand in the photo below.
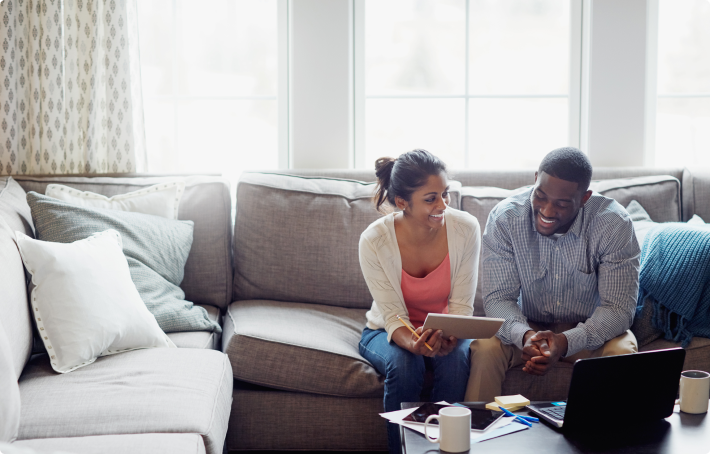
(409, 341)
(431, 337)
(447, 345)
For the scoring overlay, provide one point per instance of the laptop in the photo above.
(642, 385)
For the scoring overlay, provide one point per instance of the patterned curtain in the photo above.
(70, 99)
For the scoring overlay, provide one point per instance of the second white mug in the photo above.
(454, 429)
(694, 391)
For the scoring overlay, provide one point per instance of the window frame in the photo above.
(282, 91)
(574, 96)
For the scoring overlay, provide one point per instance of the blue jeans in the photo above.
(404, 374)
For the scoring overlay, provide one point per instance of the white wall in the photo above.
(615, 82)
(321, 85)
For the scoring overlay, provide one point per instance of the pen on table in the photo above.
(521, 419)
(414, 332)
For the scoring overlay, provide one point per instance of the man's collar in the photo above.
(576, 226)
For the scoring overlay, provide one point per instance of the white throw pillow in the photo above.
(697, 221)
(641, 220)
(159, 200)
(84, 302)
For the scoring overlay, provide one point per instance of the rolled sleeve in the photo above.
(576, 340)
(517, 334)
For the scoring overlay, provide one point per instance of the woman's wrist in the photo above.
(403, 338)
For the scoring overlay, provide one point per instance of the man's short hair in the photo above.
(568, 164)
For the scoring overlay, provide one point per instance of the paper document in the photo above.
(499, 428)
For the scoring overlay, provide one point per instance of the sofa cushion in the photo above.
(205, 201)
(643, 328)
(299, 347)
(296, 239)
(552, 386)
(516, 178)
(13, 207)
(200, 339)
(479, 201)
(304, 422)
(173, 443)
(696, 187)
(697, 353)
(9, 392)
(14, 305)
(661, 193)
(156, 249)
(179, 390)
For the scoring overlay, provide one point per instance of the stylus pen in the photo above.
(521, 419)
(414, 332)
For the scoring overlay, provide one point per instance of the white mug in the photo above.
(454, 429)
(694, 391)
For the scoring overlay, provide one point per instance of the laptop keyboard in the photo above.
(554, 412)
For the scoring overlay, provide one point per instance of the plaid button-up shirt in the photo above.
(588, 275)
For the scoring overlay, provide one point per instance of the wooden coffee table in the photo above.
(680, 433)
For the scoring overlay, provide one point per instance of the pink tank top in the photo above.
(427, 294)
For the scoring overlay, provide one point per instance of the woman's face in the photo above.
(427, 204)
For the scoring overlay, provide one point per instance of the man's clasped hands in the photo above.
(541, 350)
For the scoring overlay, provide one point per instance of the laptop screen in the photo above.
(645, 383)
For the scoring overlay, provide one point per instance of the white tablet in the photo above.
(463, 326)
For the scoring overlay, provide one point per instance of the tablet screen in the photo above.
(480, 419)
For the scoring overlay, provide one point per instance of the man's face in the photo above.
(555, 203)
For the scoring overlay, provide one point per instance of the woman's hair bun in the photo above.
(383, 171)
(383, 167)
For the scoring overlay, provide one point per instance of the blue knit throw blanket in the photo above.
(675, 271)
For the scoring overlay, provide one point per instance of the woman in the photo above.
(420, 259)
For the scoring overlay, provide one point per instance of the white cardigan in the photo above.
(381, 266)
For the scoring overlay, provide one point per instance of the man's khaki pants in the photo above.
(490, 359)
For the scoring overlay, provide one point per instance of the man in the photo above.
(560, 264)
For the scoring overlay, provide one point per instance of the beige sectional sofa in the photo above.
(300, 300)
(288, 291)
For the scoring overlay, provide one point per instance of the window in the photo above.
(683, 81)
(469, 80)
(210, 75)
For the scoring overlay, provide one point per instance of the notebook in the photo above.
(642, 384)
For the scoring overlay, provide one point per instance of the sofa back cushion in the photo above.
(696, 187)
(661, 193)
(14, 305)
(206, 202)
(14, 208)
(296, 238)
(516, 178)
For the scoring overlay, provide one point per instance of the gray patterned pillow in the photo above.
(156, 249)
